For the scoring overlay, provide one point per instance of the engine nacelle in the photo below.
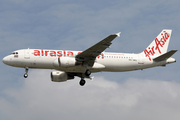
(58, 76)
(64, 61)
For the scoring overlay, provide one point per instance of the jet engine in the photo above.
(64, 61)
(59, 76)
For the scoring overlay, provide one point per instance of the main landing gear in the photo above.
(87, 74)
(26, 74)
(82, 82)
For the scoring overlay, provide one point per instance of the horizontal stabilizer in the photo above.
(165, 56)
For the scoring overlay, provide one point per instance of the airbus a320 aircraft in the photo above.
(82, 63)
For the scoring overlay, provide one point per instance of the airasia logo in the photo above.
(53, 53)
(158, 45)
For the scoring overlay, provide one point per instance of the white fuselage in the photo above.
(82, 63)
(107, 61)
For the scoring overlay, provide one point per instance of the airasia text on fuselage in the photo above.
(63, 53)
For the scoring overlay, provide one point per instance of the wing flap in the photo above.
(165, 56)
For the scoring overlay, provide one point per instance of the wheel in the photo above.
(88, 72)
(82, 82)
(25, 75)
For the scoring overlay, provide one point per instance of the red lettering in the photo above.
(98, 56)
(159, 44)
(147, 54)
(151, 51)
(46, 52)
(163, 39)
(53, 53)
(36, 53)
(69, 53)
(101, 55)
(59, 53)
(166, 35)
(42, 52)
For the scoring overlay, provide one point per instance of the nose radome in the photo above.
(5, 60)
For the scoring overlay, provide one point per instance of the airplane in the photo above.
(82, 63)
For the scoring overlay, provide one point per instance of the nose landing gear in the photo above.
(26, 74)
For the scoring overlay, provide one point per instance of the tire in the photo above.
(25, 75)
(82, 82)
(88, 72)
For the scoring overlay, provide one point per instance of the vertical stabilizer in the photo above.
(159, 45)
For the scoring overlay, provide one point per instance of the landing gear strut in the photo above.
(26, 74)
(82, 82)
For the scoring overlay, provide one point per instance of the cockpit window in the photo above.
(13, 53)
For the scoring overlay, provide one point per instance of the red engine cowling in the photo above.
(59, 76)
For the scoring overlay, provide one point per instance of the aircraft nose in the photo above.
(5, 60)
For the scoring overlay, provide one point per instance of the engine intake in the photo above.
(59, 76)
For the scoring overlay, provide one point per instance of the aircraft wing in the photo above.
(90, 54)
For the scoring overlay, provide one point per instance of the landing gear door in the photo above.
(27, 54)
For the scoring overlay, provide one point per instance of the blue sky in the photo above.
(76, 25)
